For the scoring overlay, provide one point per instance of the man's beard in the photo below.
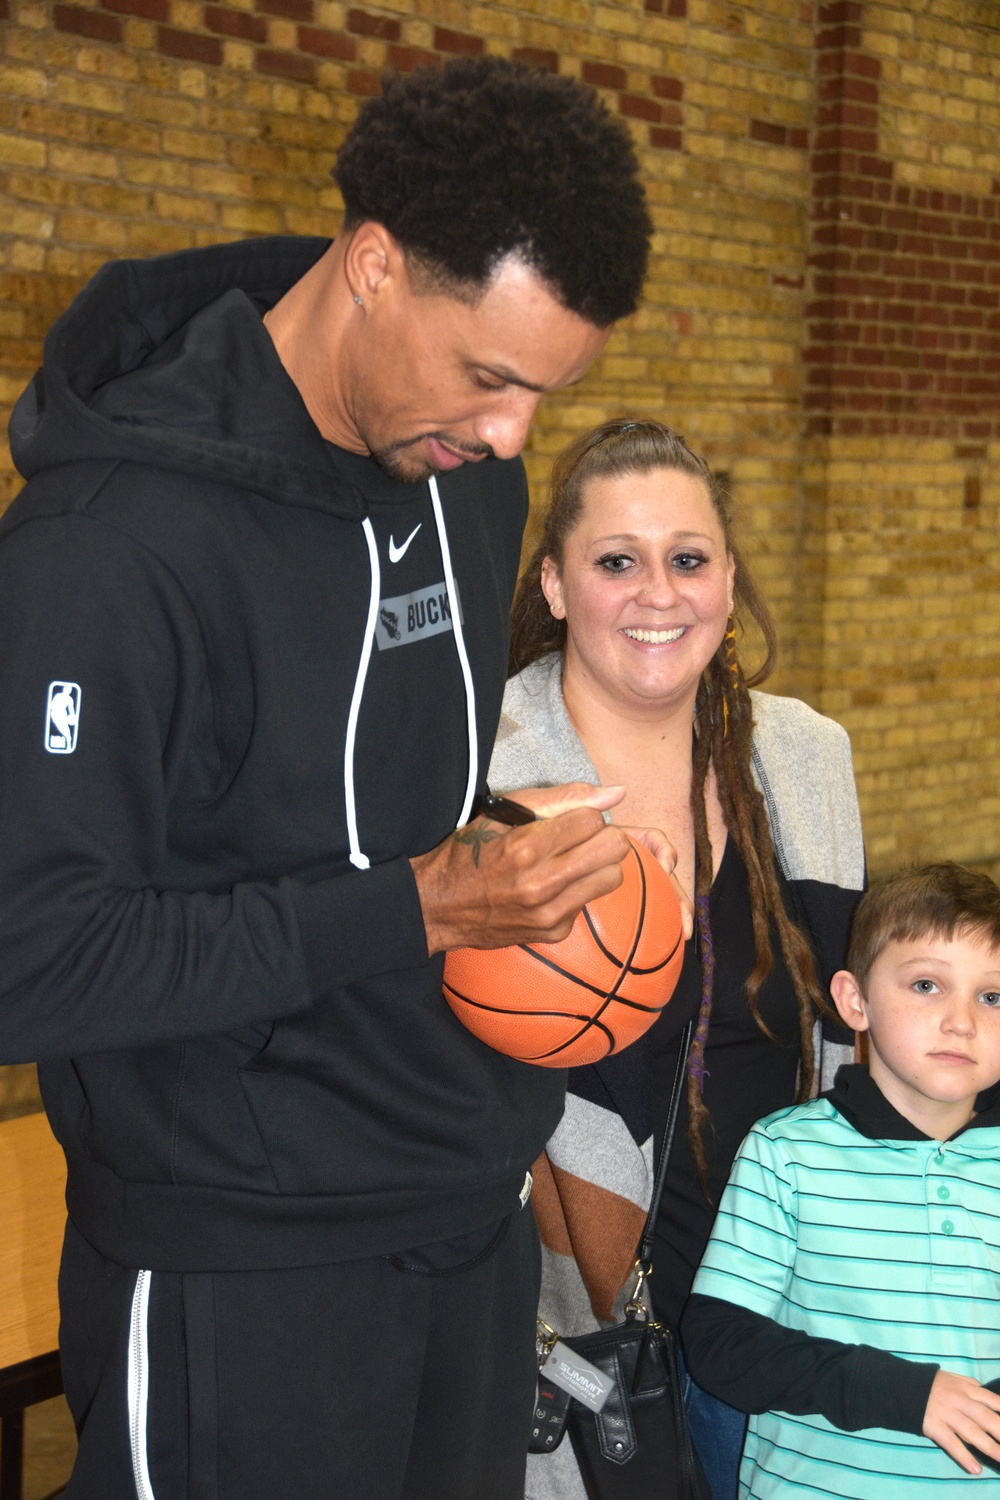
(396, 461)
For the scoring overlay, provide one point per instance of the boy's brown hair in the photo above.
(934, 900)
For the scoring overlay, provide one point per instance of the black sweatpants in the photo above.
(367, 1380)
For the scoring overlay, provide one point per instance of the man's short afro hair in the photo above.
(481, 158)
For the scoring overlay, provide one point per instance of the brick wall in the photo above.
(821, 316)
(902, 417)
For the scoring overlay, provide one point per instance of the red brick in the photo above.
(847, 138)
(457, 41)
(664, 87)
(654, 7)
(843, 112)
(324, 43)
(294, 10)
(799, 138)
(363, 24)
(150, 10)
(4, 10)
(842, 87)
(665, 139)
(637, 108)
(190, 45)
(604, 75)
(862, 66)
(678, 9)
(763, 130)
(285, 65)
(361, 81)
(874, 166)
(235, 23)
(837, 38)
(90, 23)
(405, 59)
(537, 57)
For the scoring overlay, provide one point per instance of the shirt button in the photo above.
(947, 1227)
(943, 1192)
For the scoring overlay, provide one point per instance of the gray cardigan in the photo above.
(593, 1184)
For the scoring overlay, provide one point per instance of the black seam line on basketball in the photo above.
(611, 957)
(631, 968)
(584, 985)
(501, 1010)
(557, 1015)
(555, 1051)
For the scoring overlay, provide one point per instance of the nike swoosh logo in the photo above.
(395, 553)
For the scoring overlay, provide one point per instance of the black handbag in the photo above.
(637, 1447)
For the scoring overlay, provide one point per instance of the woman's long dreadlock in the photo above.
(723, 734)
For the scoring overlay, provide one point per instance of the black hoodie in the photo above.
(234, 709)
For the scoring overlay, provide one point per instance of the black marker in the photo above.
(503, 810)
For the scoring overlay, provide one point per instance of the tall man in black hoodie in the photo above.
(253, 609)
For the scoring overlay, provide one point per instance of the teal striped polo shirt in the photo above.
(893, 1243)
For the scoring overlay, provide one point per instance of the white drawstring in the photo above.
(359, 860)
(456, 622)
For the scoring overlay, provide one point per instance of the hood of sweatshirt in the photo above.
(857, 1097)
(167, 363)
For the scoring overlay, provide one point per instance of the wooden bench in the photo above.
(32, 1220)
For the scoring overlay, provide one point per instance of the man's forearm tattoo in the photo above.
(476, 835)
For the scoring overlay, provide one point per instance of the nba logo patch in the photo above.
(62, 717)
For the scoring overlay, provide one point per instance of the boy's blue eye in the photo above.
(990, 997)
(924, 986)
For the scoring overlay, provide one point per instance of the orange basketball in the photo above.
(563, 1004)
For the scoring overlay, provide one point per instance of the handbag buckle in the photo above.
(636, 1303)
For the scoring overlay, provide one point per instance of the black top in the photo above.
(749, 1075)
(245, 1050)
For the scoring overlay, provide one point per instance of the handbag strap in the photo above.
(666, 1145)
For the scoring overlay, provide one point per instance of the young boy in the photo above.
(849, 1296)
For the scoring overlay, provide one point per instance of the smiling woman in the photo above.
(626, 645)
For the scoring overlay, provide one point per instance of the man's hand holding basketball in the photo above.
(489, 886)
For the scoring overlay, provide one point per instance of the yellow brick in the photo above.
(29, 222)
(189, 209)
(238, 55)
(250, 218)
(20, 152)
(92, 229)
(107, 62)
(23, 83)
(87, 94)
(150, 171)
(489, 21)
(60, 261)
(81, 162)
(108, 198)
(640, 55)
(152, 238)
(186, 14)
(620, 22)
(281, 33)
(193, 144)
(139, 35)
(192, 82)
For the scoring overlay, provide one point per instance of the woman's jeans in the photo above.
(717, 1432)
